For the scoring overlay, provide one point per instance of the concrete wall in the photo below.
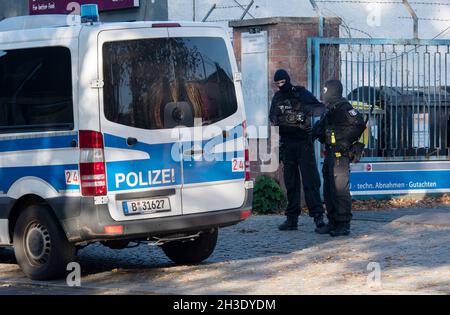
(9, 8)
(148, 11)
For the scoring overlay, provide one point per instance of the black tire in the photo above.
(40, 245)
(192, 252)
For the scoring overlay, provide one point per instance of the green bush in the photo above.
(268, 196)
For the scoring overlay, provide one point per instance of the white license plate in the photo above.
(146, 206)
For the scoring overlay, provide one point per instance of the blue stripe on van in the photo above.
(41, 143)
(54, 175)
(160, 159)
(201, 172)
(116, 142)
(128, 175)
(217, 167)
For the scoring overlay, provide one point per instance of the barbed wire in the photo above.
(402, 54)
(424, 19)
(348, 28)
(361, 31)
(237, 5)
(225, 20)
(227, 7)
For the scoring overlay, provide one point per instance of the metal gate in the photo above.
(407, 82)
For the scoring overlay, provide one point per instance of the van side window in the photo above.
(166, 82)
(36, 90)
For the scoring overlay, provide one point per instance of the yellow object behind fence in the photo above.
(365, 109)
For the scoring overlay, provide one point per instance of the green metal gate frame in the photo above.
(422, 173)
(315, 44)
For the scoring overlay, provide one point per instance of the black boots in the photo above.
(334, 228)
(326, 228)
(342, 229)
(319, 222)
(289, 225)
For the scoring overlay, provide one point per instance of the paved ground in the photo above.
(412, 251)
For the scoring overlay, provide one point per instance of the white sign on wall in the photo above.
(254, 83)
(421, 131)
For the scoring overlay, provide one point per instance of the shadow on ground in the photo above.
(254, 257)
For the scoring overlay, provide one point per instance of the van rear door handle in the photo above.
(132, 141)
(194, 152)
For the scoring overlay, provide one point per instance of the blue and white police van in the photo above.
(118, 133)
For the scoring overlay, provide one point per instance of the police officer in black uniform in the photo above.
(292, 109)
(339, 129)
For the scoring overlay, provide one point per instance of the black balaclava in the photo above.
(332, 93)
(282, 74)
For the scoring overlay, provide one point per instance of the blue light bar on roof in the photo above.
(89, 13)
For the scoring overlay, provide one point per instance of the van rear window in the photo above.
(36, 90)
(166, 82)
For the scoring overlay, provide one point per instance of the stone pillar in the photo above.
(287, 43)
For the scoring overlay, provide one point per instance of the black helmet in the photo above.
(332, 92)
(282, 74)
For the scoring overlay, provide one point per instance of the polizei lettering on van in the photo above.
(145, 179)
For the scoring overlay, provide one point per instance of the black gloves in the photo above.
(319, 131)
(356, 152)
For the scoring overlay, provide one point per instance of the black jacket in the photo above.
(308, 102)
(346, 122)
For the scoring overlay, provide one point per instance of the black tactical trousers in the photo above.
(299, 157)
(336, 180)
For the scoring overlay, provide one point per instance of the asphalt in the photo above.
(411, 247)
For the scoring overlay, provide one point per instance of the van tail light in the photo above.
(248, 176)
(113, 229)
(246, 214)
(92, 164)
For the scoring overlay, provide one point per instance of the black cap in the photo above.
(282, 74)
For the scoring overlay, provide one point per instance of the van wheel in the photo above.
(191, 252)
(40, 245)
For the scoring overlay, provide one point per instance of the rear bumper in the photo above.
(89, 223)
